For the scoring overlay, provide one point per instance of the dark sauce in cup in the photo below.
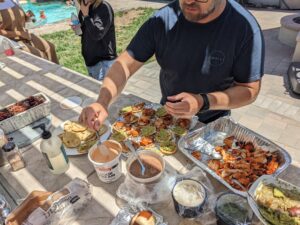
(152, 165)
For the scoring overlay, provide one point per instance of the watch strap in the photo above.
(206, 104)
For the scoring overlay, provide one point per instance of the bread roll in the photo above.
(143, 218)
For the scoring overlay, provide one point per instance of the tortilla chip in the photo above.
(70, 140)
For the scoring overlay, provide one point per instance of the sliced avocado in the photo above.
(278, 193)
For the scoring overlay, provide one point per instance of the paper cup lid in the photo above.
(71, 102)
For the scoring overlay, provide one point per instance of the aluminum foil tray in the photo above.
(213, 134)
(27, 117)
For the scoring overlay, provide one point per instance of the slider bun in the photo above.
(143, 218)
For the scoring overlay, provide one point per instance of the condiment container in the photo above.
(151, 160)
(108, 166)
(54, 153)
(189, 197)
(233, 209)
(13, 155)
(2, 142)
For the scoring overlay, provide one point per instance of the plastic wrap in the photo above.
(135, 193)
(63, 206)
(234, 204)
(127, 212)
(4, 209)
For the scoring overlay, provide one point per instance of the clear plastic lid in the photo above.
(233, 209)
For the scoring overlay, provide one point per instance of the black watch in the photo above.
(206, 104)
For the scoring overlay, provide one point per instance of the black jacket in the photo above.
(98, 40)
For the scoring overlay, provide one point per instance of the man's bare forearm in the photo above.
(234, 97)
(117, 77)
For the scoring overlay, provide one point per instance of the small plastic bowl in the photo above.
(226, 216)
(193, 210)
(132, 158)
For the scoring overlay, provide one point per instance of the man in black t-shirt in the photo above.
(211, 54)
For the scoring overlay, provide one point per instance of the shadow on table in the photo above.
(42, 179)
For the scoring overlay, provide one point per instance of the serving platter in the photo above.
(267, 180)
(149, 126)
(74, 151)
(213, 134)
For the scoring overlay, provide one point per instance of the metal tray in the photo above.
(214, 133)
(27, 117)
(267, 179)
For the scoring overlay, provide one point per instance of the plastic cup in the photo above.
(111, 171)
(227, 206)
(142, 153)
(189, 210)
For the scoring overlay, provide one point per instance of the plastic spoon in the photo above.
(132, 149)
(102, 148)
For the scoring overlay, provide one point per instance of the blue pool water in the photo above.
(55, 11)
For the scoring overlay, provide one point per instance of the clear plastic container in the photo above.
(4, 209)
(2, 142)
(13, 156)
(233, 209)
(146, 155)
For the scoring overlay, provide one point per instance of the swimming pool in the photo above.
(55, 11)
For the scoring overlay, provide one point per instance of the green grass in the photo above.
(68, 46)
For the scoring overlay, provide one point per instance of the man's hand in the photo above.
(93, 115)
(85, 8)
(184, 104)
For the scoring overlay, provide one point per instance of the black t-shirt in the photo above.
(201, 58)
(98, 40)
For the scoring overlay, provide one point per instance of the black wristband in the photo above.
(206, 104)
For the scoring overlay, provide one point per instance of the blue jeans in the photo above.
(99, 70)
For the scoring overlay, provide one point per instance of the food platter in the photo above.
(281, 187)
(149, 126)
(82, 147)
(206, 139)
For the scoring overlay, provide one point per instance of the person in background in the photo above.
(98, 37)
(42, 15)
(70, 3)
(30, 16)
(13, 27)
